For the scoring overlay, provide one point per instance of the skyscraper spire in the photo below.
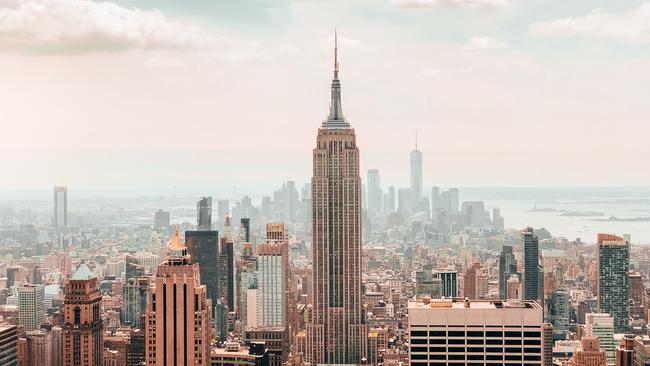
(336, 55)
(336, 118)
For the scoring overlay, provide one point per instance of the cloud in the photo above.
(631, 26)
(484, 44)
(417, 4)
(84, 25)
(429, 73)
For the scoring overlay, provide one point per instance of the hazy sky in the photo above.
(207, 93)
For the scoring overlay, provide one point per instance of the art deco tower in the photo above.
(178, 316)
(82, 327)
(337, 333)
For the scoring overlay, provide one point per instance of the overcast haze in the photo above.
(136, 94)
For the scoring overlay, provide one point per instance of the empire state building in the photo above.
(337, 333)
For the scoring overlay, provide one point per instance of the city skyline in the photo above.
(160, 211)
(469, 89)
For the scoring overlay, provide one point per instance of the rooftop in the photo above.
(82, 273)
(461, 303)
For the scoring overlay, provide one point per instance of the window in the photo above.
(532, 334)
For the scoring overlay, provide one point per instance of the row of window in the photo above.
(476, 357)
(415, 349)
(489, 341)
(529, 363)
(417, 358)
(474, 333)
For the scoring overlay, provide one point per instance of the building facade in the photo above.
(204, 214)
(416, 175)
(8, 345)
(532, 278)
(60, 207)
(507, 267)
(457, 331)
(31, 299)
(136, 297)
(589, 353)
(601, 326)
(337, 332)
(272, 275)
(613, 280)
(39, 348)
(374, 191)
(203, 248)
(83, 326)
(179, 315)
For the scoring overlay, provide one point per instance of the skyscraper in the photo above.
(416, 174)
(337, 332)
(39, 347)
(223, 207)
(204, 214)
(245, 230)
(531, 265)
(31, 299)
(135, 294)
(404, 201)
(82, 325)
(435, 199)
(507, 267)
(601, 325)
(178, 318)
(60, 207)
(470, 288)
(226, 277)
(246, 287)
(497, 220)
(374, 191)
(449, 282)
(453, 201)
(613, 280)
(559, 310)
(272, 268)
(389, 200)
(161, 220)
(202, 246)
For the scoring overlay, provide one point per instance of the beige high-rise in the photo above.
(337, 332)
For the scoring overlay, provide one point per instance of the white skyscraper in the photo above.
(416, 174)
(272, 265)
(60, 207)
(374, 192)
(31, 300)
